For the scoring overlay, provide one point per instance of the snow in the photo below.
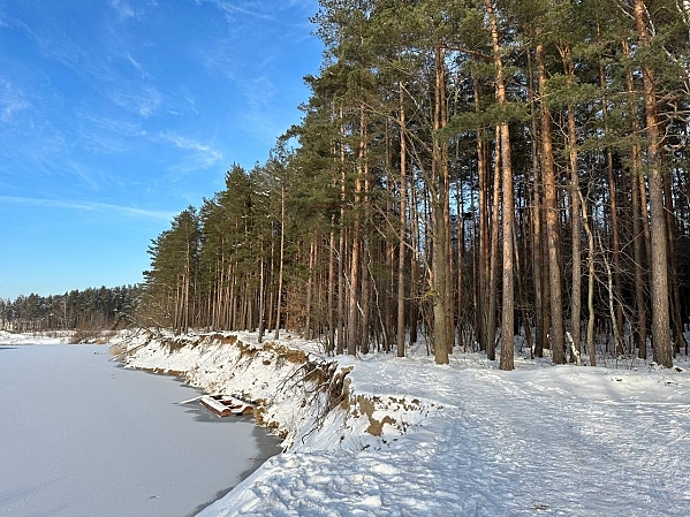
(415, 438)
(53, 338)
(81, 436)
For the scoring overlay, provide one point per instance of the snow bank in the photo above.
(307, 399)
(39, 338)
(293, 389)
(387, 436)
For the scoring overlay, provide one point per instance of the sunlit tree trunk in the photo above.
(403, 228)
(507, 205)
(330, 342)
(353, 334)
(575, 218)
(541, 319)
(281, 262)
(341, 346)
(439, 194)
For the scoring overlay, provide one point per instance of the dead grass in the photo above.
(91, 336)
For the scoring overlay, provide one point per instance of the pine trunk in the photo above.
(552, 217)
(403, 228)
(508, 206)
(660, 293)
(281, 262)
(576, 226)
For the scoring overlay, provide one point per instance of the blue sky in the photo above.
(115, 115)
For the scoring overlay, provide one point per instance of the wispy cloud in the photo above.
(182, 102)
(143, 100)
(307, 8)
(12, 101)
(224, 56)
(54, 43)
(252, 9)
(86, 174)
(274, 12)
(125, 9)
(202, 155)
(90, 207)
(112, 125)
(137, 65)
(109, 64)
(184, 142)
(251, 54)
(262, 117)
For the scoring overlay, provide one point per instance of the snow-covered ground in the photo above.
(51, 338)
(414, 438)
(82, 437)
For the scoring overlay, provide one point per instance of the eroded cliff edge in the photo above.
(306, 399)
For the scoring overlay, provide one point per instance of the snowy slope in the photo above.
(414, 438)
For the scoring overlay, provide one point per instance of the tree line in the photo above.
(474, 170)
(89, 309)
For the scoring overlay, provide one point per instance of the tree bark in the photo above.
(403, 228)
(439, 190)
(662, 349)
(276, 334)
(508, 206)
(483, 269)
(575, 221)
(552, 217)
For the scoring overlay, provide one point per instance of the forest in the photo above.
(90, 309)
(478, 172)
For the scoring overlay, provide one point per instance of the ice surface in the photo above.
(80, 436)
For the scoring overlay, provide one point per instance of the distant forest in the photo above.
(90, 309)
(473, 170)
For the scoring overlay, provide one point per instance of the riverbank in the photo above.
(59, 337)
(385, 436)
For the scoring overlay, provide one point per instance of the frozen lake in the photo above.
(82, 436)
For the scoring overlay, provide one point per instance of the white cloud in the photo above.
(183, 142)
(90, 206)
